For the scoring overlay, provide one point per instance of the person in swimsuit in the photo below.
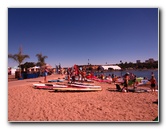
(134, 82)
(45, 74)
(68, 74)
(83, 75)
(73, 74)
(153, 83)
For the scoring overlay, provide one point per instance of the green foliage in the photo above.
(41, 59)
(28, 65)
(19, 58)
(126, 65)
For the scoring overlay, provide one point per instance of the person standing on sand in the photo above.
(79, 76)
(68, 74)
(134, 81)
(45, 74)
(73, 74)
(153, 83)
(83, 74)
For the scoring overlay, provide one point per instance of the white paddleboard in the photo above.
(76, 89)
(85, 86)
(51, 85)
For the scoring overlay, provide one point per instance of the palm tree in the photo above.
(41, 59)
(19, 58)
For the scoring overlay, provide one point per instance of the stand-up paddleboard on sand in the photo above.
(51, 86)
(76, 89)
(78, 83)
(47, 86)
(57, 80)
(85, 86)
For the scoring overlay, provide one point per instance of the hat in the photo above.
(127, 73)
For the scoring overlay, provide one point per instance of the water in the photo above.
(138, 73)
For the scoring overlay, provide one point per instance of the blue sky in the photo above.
(73, 35)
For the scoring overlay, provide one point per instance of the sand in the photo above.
(26, 104)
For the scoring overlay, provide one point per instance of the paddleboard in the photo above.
(76, 89)
(56, 80)
(85, 86)
(47, 86)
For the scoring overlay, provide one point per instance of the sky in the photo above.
(83, 35)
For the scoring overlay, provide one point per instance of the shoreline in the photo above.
(26, 104)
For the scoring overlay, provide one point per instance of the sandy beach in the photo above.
(34, 105)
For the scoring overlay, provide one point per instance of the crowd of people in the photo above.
(74, 73)
(130, 76)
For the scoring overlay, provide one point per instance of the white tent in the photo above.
(35, 68)
(115, 67)
(13, 70)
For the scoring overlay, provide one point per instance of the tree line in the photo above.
(144, 65)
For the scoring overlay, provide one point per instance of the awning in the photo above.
(115, 67)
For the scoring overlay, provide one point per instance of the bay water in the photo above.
(138, 73)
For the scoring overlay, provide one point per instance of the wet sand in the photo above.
(34, 105)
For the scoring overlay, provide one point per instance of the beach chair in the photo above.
(118, 88)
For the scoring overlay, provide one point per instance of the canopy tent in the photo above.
(114, 67)
(36, 67)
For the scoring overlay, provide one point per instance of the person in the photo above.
(113, 78)
(73, 74)
(83, 75)
(102, 76)
(134, 81)
(45, 74)
(126, 81)
(109, 78)
(80, 75)
(68, 74)
(153, 83)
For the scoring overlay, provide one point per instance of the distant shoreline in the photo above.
(142, 69)
(127, 70)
